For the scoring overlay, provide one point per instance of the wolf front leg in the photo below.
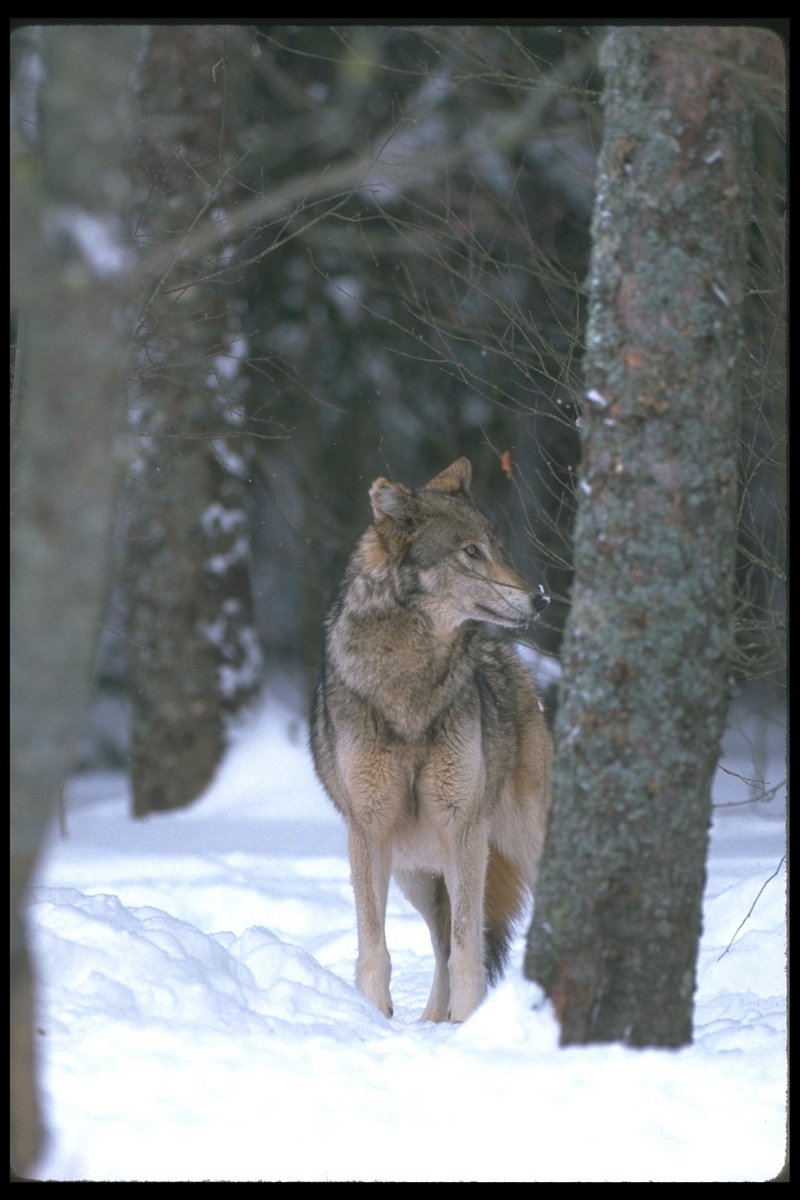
(465, 876)
(370, 866)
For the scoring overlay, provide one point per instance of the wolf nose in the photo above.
(540, 599)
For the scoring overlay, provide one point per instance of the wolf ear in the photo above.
(389, 500)
(456, 478)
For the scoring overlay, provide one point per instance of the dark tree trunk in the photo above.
(646, 657)
(193, 651)
(70, 276)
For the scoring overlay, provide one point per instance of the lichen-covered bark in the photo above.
(193, 654)
(617, 921)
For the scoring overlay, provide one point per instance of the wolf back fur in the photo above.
(428, 734)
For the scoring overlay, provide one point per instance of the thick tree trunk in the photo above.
(70, 195)
(193, 650)
(646, 657)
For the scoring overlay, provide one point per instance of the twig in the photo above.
(748, 914)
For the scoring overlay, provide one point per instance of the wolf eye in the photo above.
(472, 551)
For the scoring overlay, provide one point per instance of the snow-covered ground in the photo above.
(198, 1019)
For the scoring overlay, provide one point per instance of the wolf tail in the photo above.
(504, 904)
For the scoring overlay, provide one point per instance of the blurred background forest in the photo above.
(358, 251)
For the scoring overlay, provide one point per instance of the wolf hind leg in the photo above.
(370, 865)
(428, 893)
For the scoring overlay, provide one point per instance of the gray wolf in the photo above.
(428, 734)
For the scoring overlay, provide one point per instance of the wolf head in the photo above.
(444, 554)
